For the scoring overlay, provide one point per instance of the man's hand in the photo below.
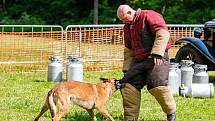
(157, 59)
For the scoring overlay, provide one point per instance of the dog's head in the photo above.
(111, 83)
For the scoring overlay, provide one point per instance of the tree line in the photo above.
(68, 12)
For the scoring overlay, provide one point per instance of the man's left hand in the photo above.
(157, 59)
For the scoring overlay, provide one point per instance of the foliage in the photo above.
(66, 12)
(22, 96)
(23, 20)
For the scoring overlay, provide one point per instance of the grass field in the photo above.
(22, 95)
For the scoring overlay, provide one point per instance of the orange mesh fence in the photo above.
(28, 47)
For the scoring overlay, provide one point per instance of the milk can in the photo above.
(55, 69)
(173, 79)
(186, 72)
(74, 69)
(200, 75)
(197, 90)
(178, 71)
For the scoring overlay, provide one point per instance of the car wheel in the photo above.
(188, 52)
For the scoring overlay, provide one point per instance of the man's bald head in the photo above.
(125, 13)
(121, 9)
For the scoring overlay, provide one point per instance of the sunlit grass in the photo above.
(23, 94)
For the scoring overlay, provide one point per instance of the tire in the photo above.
(188, 52)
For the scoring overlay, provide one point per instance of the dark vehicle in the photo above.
(197, 50)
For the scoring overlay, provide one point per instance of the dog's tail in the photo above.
(51, 103)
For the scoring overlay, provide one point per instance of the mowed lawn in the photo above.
(22, 96)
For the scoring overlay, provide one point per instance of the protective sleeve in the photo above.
(128, 59)
(160, 43)
(159, 29)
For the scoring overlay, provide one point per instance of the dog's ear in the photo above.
(104, 79)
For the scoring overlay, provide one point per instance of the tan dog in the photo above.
(86, 95)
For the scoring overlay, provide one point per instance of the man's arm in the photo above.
(160, 43)
(159, 29)
(128, 59)
(128, 54)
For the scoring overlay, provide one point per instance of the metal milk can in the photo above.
(197, 90)
(74, 69)
(186, 72)
(178, 71)
(55, 69)
(173, 79)
(200, 75)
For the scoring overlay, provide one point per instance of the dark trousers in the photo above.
(145, 72)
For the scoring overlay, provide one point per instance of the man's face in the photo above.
(126, 16)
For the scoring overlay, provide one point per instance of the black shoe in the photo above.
(171, 117)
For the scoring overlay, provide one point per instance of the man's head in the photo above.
(125, 13)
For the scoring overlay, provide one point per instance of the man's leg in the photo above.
(164, 97)
(131, 94)
(131, 102)
(157, 86)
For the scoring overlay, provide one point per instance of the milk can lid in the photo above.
(74, 58)
(173, 65)
(186, 62)
(200, 66)
(55, 58)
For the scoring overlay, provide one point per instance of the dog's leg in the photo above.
(52, 105)
(64, 109)
(92, 116)
(105, 113)
(63, 105)
(44, 109)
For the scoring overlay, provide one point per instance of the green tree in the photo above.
(67, 12)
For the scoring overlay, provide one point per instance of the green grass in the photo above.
(23, 94)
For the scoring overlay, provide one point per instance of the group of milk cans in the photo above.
(189, 80)
(74, 69)
(184, 79)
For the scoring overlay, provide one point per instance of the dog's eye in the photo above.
(103, 79)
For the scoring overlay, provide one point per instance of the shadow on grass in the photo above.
(212, 79)
(37, 80)
(84, 116)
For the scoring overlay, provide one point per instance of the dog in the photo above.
(86, 95)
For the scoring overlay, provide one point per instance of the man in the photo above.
(145, 61)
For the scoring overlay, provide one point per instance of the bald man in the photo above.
(146, 61)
